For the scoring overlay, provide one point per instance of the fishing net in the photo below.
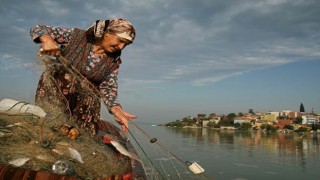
(40, 141)
(159, 162)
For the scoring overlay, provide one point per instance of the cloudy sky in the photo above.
(189, 56)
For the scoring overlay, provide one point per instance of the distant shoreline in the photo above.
(235, 129)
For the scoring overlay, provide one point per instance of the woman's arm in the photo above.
(50, 38)
(109, 91)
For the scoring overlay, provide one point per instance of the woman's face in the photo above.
(112, 43)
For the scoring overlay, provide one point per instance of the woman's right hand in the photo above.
(49, 46)
(122, 117)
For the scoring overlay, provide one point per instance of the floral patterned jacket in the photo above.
(94, 65)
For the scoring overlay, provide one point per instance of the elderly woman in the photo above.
(95, 54)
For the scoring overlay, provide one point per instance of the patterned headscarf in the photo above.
(120, 27)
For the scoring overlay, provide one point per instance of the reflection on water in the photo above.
(249, 154)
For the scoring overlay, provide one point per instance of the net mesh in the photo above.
(39, 139)
(159, 163)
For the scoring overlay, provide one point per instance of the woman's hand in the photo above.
(49, 46)
(122, 117)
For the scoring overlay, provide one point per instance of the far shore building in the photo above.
(270, 117)
(250, 116)
(205, 123)
(309, 119)
(285, 112)
(294, 115)
(275, 113)
(283, 123)
(216, 119)
(240, 121)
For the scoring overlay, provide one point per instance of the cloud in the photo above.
(244, 37)
(54, 8)
(193, 42)
(13, 62)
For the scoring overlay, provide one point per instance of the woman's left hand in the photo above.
(122, 117)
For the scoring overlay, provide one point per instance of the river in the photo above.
(241, 155)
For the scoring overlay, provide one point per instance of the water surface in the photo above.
(234, 154)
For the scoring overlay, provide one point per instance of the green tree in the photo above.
(188, 121)
(211, 124)
(202, 115)
(231, 116)
(290, 127)
(251, 111)
(212, 115)
(237, 125)
(302, 129)
(227, 120)
(314, 127)
(302, 108)
(245, 126)
(268, 127)
(298, 120)
(176, 123)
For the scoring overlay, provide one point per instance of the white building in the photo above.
(240, 121)
(276, 114)
(309, 119)
(285, 112)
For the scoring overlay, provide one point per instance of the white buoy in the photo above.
(195, 167)
(10, 106)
